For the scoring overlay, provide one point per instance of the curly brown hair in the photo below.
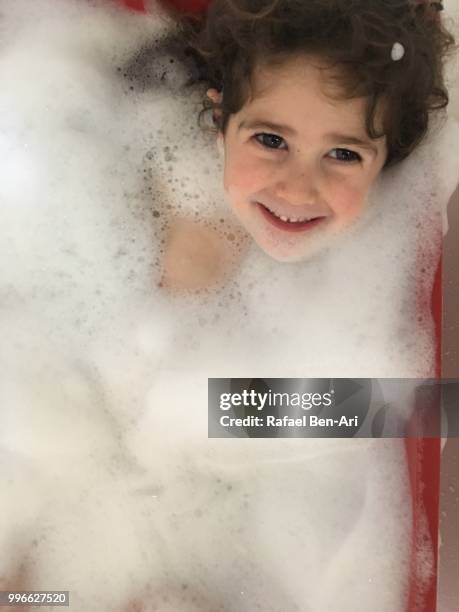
(356, 37)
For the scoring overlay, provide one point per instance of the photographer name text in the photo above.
(306, 420)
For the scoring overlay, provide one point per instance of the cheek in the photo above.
(242, 176)
(348, 201)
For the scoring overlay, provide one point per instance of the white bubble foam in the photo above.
(112, 488)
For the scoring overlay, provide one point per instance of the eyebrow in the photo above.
(288, 131)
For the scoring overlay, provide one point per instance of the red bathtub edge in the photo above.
(423, 457)
(135, 5)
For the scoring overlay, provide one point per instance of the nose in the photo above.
(298, 184)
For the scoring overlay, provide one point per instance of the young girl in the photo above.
(311, 102)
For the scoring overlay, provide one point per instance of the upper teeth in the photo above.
(291, 219)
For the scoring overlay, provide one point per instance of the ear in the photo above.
(215, 95)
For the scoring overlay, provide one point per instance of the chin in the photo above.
(286, 254)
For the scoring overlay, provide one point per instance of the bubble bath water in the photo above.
(111, 488)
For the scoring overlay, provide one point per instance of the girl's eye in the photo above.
(270, 141)
(345, 155)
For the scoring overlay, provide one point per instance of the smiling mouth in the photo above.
(286, 224)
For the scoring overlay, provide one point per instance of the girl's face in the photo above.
(298, 165)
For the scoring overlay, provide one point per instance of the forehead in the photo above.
(302, 88)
